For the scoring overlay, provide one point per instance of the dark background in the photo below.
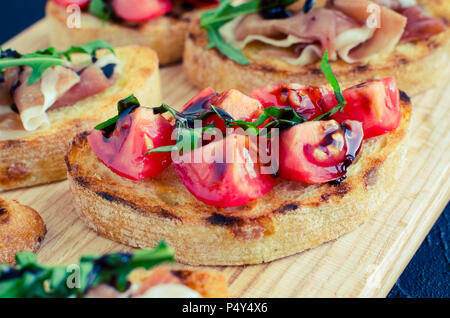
(428, 273)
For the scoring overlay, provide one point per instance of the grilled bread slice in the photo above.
(293, 217)
(21, 229)
(416, 66)
(38, 157)
(165, 34)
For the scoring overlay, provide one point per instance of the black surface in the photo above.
(427, 275)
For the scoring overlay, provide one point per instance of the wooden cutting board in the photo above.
(364, 263)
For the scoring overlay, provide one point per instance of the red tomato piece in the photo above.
(135, 134)
(235, 103)
(199, 103)
(319, 151)
(65, 3)
(305, 100)
(376, 104)
(226, 172)
(238, 105)
(141, 10)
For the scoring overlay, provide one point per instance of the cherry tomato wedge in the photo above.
(65, 3)
(135, 134)
(319, 151)
(141, 10)
(305, 100)
(376, 104)
(224, 173)
(232, 101)
(200, 102)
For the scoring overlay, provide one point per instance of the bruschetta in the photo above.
(21, 229)
(158, 24)
(320, 171)
(366, 40)
(143, 274)
(46, 99)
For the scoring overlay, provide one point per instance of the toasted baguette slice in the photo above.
(165, 34)
(416, 66)
(38, 157)
(293, 217)
(21, 229)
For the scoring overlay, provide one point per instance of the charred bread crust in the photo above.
(293, 217)
(21, 229)
(416, 66)
(209, 284)
(39, 157)
(165, 34)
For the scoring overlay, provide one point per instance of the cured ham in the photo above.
(420, 24)
(355, 31)
(32, 101)
(92, 82)
(58, 87)
(386, 35)
(340, 28)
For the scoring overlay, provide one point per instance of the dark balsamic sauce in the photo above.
(199, 106)
(279, 12)
(10, 54)
(108, 70)
(14, 87)
(353, 140)
(123, 122)
(14, 108)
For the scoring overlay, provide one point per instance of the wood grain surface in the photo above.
(364, 263)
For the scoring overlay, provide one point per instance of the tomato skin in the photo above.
(141, 10)
(304, 99)
(319, 151)
(136, 133)
(376, 104)
(199, 103)
(216, 182)
(65, 3)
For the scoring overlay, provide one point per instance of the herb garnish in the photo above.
(101, 9)
(214, 19)
(30, 279)
(328, 72)
(124, 106)
(41, 60)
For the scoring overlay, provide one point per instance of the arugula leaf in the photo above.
(101, 9)
(40, 61)
(89, 48)
(216, 41)
(31, 279)
(214, 19)
(226, 12)
(125, 105)
(328, 72)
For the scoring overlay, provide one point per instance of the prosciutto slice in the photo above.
(420, 24)
(58, 87)
(339, 28)
(92, 82)
(32, 101)
(387, 34)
